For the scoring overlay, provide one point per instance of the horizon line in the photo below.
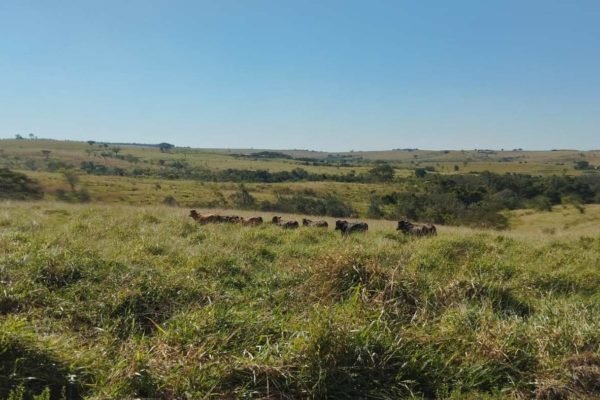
(516, 149)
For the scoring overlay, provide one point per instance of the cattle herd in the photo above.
(345, 227)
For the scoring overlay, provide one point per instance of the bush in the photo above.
(170, 201)
(17, 186)
(300, 204)
(242, 198)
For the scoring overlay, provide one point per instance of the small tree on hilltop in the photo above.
(165, 147)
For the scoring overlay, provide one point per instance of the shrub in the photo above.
(242, 198)
(17, 186)
(170, 201)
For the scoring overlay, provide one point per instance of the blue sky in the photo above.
(324, 75)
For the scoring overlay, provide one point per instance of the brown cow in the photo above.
(232, 219)
(214, 218)
(409, 228)
(285, 224)
(205, 218)
(252, 221)
(319, 224)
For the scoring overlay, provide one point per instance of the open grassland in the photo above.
(562, 222)
(14, 153)
(188, 193)
(115, 301)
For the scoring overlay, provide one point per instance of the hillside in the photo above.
(16, 152)
(113, 301)
(470, 188)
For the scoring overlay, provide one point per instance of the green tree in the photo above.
(71, 178)
(420, 172)
(375, 210)
(582, 165)
(242, 198)
(165, 147)
(382, 173)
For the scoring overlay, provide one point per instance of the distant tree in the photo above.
(164, 147)
(116, 150)
(30, 163)
(71, 178)
(170, 201)
(382, 173)
(375, 210)
(582, 165)
(46, 154)
(243, 198)
(32, 136)
(91, 142)
(420, 172)
(19, 137)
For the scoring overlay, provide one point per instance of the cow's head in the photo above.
(341, 225)
(404, 226)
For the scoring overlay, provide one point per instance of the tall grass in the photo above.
(129, 302)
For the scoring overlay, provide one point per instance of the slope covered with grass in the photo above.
(123, 302)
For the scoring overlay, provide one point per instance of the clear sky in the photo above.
(324, 75)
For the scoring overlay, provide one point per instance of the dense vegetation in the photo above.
(17, 186)
(130, 302)
(478, 199)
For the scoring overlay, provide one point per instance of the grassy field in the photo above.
(14, 152)
(187, 193)
(116, 301)
(124, 297)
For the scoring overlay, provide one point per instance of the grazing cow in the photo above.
(347, 228)
(319, 224)
(252, 221)
(206, 218)
(232, 219)
(409, 228)
(285, 224)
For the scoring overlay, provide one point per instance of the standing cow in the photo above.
(346, 228)
(408, 228)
